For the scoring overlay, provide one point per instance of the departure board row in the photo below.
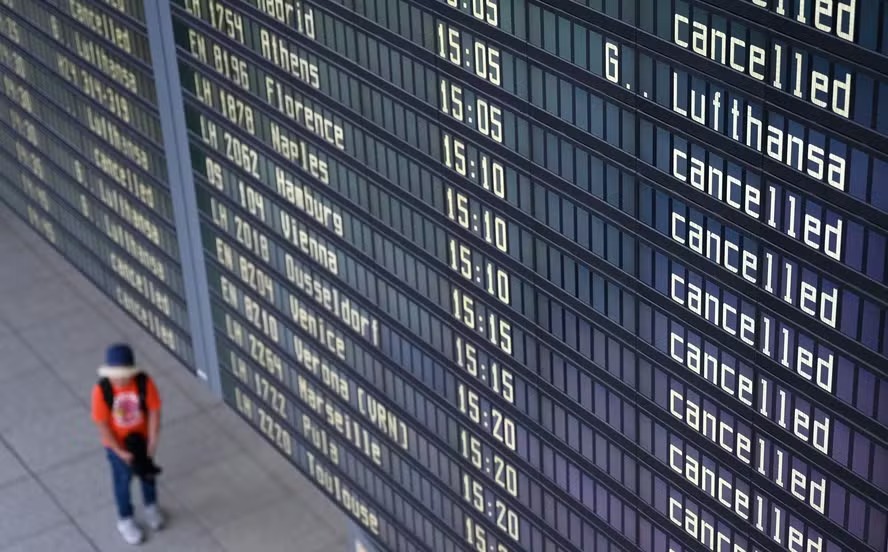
(498, 275)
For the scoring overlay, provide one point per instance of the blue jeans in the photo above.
(122, 475)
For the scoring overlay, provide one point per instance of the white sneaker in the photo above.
(130, 532)
(153, 517)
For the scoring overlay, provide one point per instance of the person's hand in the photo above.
(125, 455)
(152, 448)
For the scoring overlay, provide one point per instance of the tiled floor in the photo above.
(224, 489)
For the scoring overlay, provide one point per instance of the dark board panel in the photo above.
(645, 311)
(80, 119)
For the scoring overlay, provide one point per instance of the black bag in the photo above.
(143, 466)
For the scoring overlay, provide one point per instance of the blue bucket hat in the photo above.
(119, 362)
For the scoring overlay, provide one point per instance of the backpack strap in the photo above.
(107, 392)
(142, 388)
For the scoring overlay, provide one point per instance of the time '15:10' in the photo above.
(474, 267)
(475, 165)
(481, 221)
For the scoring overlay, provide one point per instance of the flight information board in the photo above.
(553, 275)
(82, 152)
(544, 275)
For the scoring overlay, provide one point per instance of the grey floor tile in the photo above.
(35, 242)
(114, 314)
(65, 537)
(266, 456)
(10, 467)
(290, 478)
(83, 484)
(17, 357)
(276, 528)
(236, 428)
(298, 485)
(74, 332)
(10, 243)
(154, 353)
(55, 259)
(11, 220)
(226, 490)
(16, 248)
(32, 397)
(190, 542)
(30, 305)
(53, 440)
(175, 404)
(26, 510)
(84, 287)
(283, 471)
(27, 273)
(79, 373)
(16, 273)
(322, 505)
(26, 232)
(182, 526)
(186, 445)
(196, 389)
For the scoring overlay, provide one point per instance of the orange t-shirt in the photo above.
(125, 416)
